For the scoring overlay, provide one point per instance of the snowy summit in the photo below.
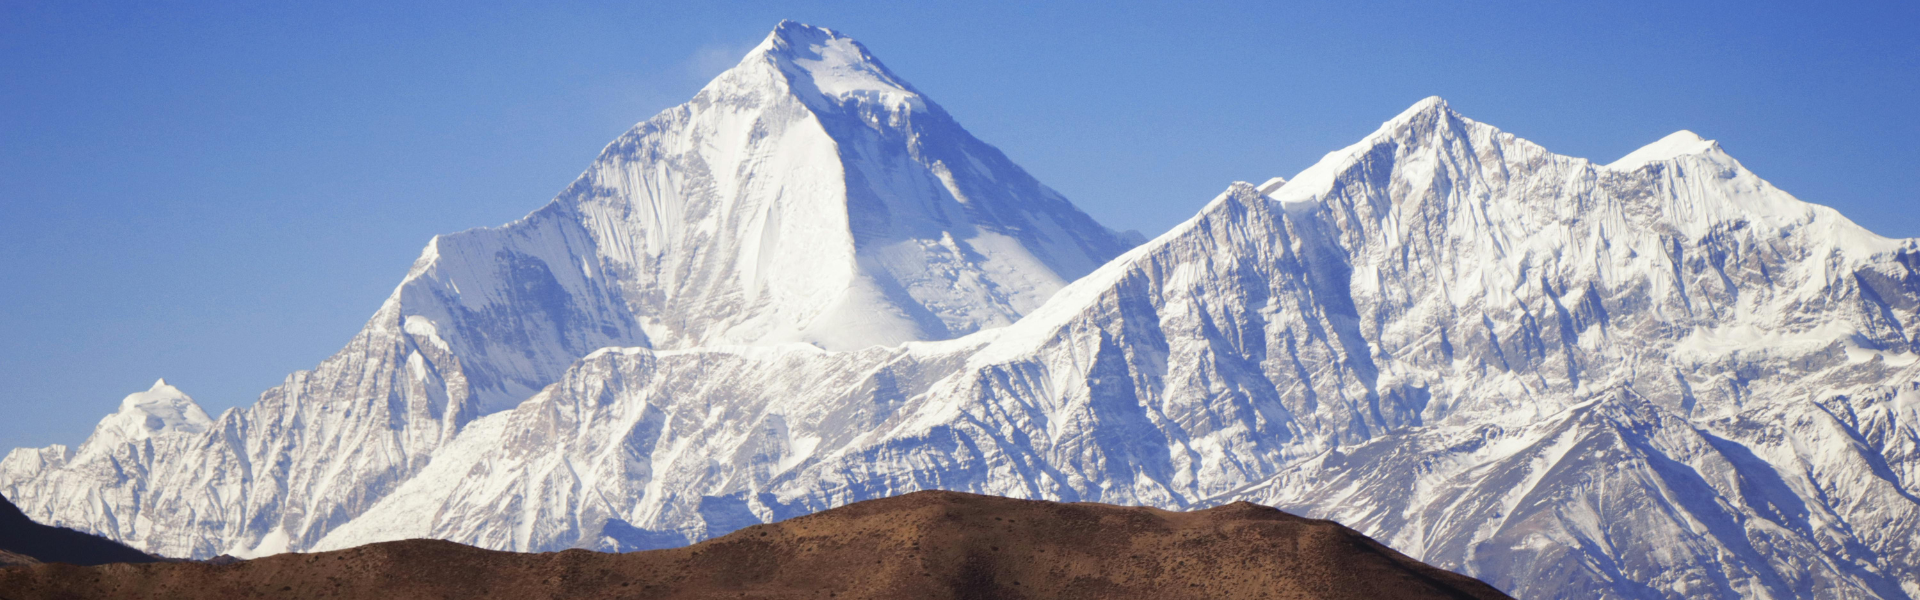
(162, 409)
(828, 69)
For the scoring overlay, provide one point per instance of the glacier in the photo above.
(1656, 378)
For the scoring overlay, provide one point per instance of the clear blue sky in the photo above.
(223, 195)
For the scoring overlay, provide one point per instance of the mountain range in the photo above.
(805, 196)
(1656, 377)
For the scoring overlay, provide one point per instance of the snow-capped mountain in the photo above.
(1660, 377)
(144, 419)
(161, 410)
(1657, 378)
(808, 195)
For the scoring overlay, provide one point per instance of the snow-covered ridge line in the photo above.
(1444, 336)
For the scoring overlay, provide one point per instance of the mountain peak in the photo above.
(1677, 144)
(1426, 110)
(1429, 114)
(161, 409)
(791, 31)
(822, 64)
(1429, 104)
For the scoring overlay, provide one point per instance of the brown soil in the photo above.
(921, 545)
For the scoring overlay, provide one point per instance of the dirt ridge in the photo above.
(919, 545)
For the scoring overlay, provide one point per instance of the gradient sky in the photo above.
(223, 195)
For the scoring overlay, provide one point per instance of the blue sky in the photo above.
(221, 195)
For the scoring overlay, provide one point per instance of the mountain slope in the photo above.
(807, 195)
(929, 544)
(1650, 381)
(23, 542)
(1663, 377)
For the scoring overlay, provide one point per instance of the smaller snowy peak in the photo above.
(159, 410)
(833, 66)
(1679, 143)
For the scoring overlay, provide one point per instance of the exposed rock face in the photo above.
(24, 542)
(923, 545)
(808, 195)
